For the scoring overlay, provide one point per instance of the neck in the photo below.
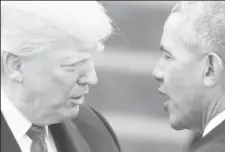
(216, 106)
(14, 93)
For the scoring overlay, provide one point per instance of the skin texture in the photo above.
(191, 76)
(181, 73)
(47, 80)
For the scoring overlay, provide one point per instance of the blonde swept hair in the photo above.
(26, 26)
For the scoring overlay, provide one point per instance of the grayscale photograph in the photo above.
(112, 76)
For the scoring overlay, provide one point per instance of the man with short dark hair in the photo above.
(192, 71)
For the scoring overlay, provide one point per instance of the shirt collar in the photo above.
(17, 122)
(214, 122)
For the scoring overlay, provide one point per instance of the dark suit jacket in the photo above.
(89, 132)
(214, 141)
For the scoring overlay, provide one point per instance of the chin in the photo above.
(176, 127)
(176, 124)
(58, 117)
(72, 113)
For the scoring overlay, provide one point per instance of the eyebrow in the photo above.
(70, 60)
(164, 50)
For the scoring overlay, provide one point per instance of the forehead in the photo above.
(66, 49)
(172, 22)
(173, 33)
(77, 46)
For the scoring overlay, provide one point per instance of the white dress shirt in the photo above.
(214, 122)
(19, 125)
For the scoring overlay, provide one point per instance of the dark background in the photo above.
(126, 93)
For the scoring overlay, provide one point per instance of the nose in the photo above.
(158, 74)
(89, 78)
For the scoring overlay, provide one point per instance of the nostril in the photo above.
(82, 80)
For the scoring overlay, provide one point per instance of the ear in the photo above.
(12, 66)
(213, 68)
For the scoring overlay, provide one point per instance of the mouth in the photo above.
(74, 101)
(166, 103)
(160, 90)
(78, 97)
(77, 100)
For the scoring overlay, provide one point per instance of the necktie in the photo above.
(37, 135)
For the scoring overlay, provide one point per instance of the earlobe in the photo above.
(17, 76)
(213, 68)
(209, 82)
(12, 66)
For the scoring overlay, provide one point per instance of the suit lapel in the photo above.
(94, 131)
(67, 138)
(8, 142)
(86, 133)
(215, 133)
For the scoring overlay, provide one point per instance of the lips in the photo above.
(166, 103)
(161, 91)
(77, 100)
(74, 101)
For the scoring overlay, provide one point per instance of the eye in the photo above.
(167, 56)
(70, 64)
(69, 68)
(73, 66)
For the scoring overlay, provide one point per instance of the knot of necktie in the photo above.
(36, 132)
(37, 135)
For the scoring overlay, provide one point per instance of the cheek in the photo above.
(182, 86)
(182, 83)
(51, 85)
(59, 86)
(181, 78)
(64, 81)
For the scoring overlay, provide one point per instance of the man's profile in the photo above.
(191, 71)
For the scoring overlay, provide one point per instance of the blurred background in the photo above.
(126, 93)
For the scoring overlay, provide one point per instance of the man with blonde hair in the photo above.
(46, 70)
(192, 71)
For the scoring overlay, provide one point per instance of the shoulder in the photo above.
(213, 141)
(211, 144)
(216, 146)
